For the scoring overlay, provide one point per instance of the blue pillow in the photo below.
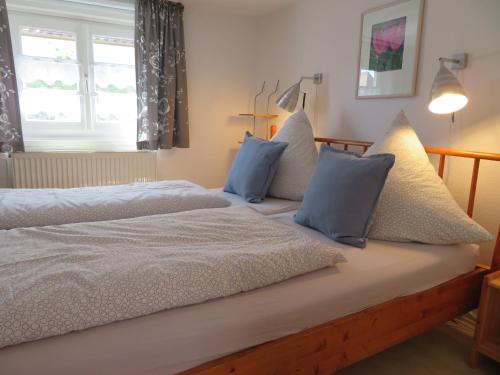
(342, 194)
(254, 168)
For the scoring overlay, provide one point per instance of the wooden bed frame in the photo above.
(341, 342)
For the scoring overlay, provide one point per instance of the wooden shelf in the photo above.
(258, 115)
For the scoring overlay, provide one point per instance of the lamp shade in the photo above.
(288, 100)
(447, 94)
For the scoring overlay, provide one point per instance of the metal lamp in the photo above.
(447, 94)
(288, 100)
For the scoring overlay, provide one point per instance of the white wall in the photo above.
(220, 49)
(229, 54)
(323, 36)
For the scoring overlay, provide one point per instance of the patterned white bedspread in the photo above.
(58, 279)
(39, 207)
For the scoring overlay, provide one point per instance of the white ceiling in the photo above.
(248, 7)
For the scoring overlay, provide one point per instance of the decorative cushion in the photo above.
(298, 160)
(415, 204)
(342, 195)
(254, 168)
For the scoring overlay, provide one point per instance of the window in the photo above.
(50, 76)
(114, 79)
(76, 82)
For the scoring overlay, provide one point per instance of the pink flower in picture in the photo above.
(379, 41)
(387, 45)
(396, 34)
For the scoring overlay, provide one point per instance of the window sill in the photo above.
(78, 146)
(85, 152)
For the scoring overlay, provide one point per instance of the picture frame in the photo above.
(389, 50)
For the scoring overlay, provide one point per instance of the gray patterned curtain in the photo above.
(162, 120)
(11, 137)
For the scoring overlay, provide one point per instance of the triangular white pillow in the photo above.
(298, 160)
(415, 204)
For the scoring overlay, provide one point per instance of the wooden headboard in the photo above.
(443, 153)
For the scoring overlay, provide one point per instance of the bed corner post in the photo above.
(495, 261)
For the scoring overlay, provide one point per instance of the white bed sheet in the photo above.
(270, 205)
(174, 340)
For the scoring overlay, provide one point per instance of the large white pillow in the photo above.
(415, 204)
(298, 160)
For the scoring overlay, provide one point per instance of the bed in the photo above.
(328, 347)
(40, 207)
(271, 330)
(178, 339)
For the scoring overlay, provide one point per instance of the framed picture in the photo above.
(389, 46)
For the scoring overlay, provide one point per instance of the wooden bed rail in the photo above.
(441, 151)
(326, 348)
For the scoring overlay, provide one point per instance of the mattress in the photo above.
(178, 339)
(270, 205)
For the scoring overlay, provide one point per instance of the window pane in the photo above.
(50, 91)
(116, 97)
(114, 80)
(113, 50)
(50, 76)
(116, 108)
(57, 45)
(50, 105)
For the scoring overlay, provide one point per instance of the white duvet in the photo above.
(58, 279)
(40, 207)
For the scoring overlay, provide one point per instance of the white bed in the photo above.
(177, 339)
(22, 208)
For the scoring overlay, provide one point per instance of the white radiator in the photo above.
(67, 170)
(5, 171)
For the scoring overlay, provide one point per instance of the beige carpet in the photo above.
(442, 351)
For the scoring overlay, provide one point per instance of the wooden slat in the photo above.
(258, 115)
(473, 186)
(341, 342)
(441, 165)
(495, 262)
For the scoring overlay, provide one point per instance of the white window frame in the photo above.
(88, 135)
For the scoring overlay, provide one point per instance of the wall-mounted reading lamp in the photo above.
(447, 94)
(288, 100)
